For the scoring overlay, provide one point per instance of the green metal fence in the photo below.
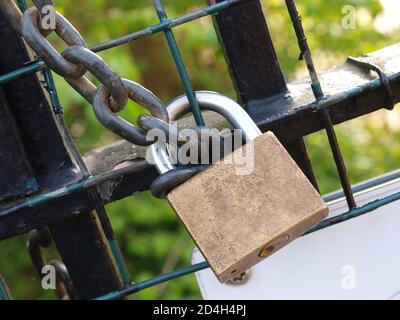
(166, 26)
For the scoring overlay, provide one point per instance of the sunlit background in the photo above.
(151, 238)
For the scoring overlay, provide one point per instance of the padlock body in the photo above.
(237, 220)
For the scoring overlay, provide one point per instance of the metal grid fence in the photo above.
(166, 26)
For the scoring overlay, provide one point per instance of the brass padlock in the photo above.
(238, 220)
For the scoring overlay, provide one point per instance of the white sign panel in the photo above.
(356, 259)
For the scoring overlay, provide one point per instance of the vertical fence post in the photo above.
(255, 69)
(80, 240)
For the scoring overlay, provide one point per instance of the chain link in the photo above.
(120, 126)
(98, 67)
(110, 96)
(33, 36)
(74, 62)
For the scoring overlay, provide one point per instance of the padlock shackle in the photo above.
(208, 100)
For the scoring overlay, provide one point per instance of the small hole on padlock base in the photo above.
(266, 251)
(273, 246)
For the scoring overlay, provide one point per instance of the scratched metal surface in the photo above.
(346, 77)
(337, 80)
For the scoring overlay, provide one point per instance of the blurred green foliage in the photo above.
(151, 238)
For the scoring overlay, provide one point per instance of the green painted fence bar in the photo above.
(115, 295)
(194, 104)
(168, 24)
(31, 68)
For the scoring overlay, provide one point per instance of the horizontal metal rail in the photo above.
(31, 68)
(168, 24)
(133, 288)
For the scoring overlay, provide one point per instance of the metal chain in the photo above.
(33, 36)
(110, 96)
(74, 62)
